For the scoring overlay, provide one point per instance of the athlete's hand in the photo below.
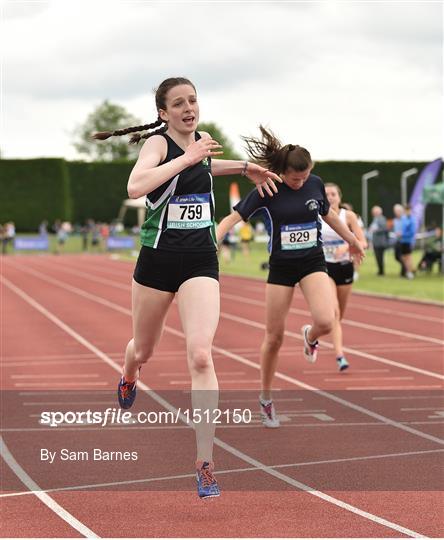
(341, 251)
(357, 251)
(201, 149)
(263, 179)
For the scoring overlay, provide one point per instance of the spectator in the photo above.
(228, 246)
(433, 250)
(62, 232)
(85, 231)
(246, 236)
(43, 228)
(356, 264)
(104, 233)
(398, 212)
(408, 230)
(3, 239)
(379, 237)
(95, 235)
(9, 233)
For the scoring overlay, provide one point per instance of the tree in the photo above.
(228, 150)
(106, 117)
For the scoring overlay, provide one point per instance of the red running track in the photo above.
(358, 454)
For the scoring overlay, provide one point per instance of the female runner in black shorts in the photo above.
(292, 220)
(339, 264)
(178, 254)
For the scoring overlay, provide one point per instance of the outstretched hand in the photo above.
(357, 251)
(263, 179)
(201, 149)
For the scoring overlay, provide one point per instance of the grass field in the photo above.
(424, 286)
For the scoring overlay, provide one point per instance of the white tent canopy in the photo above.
(139, 204)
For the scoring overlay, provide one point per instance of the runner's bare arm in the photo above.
(262, 178)
(344, 232)
(226, 224)
(147, 174)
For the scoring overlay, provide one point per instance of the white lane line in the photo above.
(250, 301)
(329, 371)
(254, 424)
(347, 322)
(6, 359)
(241, 455)
(223, 381)
(226, 471)
(412, 387)
(187, 373)
(42, 496)
(119, 308)
(81, 403)
(59, 384)
(245, 361)
(396, 313)
(87, 393)
(421, 408)
(335, 398)
(348, 379)
(393, 312)
(355, 352)
(386, 398)
(57, 376)
(250, 400)
(49, 363)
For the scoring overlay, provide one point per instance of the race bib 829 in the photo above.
(299, 236)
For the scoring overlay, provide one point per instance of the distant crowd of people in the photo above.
(94, 234)
(401, 236)
(382, 234)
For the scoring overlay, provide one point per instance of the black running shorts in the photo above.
(288, 272)
(167, 270)
(341, 272)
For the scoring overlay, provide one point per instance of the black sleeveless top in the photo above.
(180, 213)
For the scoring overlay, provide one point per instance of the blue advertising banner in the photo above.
(35, 243)
(120, 242)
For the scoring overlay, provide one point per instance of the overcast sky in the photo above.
(348, 80)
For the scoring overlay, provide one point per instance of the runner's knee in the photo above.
(324, 323)
(199, 359)
(273, 340)
(143, 353)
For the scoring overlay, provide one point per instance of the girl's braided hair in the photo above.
(160, 97)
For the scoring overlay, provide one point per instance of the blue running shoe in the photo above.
(342, 363)
(126, 393)
(206, 483)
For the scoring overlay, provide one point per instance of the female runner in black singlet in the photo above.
(178, 255)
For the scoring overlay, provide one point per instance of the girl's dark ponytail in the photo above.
(269, 152)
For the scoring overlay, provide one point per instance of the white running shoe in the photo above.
(342, 363)
(310, 349)
(268, 414)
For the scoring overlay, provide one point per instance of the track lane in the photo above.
(256, 340)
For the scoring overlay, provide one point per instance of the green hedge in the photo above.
(37, 189)
(384, 190)
(33, 190)
(98, 189)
